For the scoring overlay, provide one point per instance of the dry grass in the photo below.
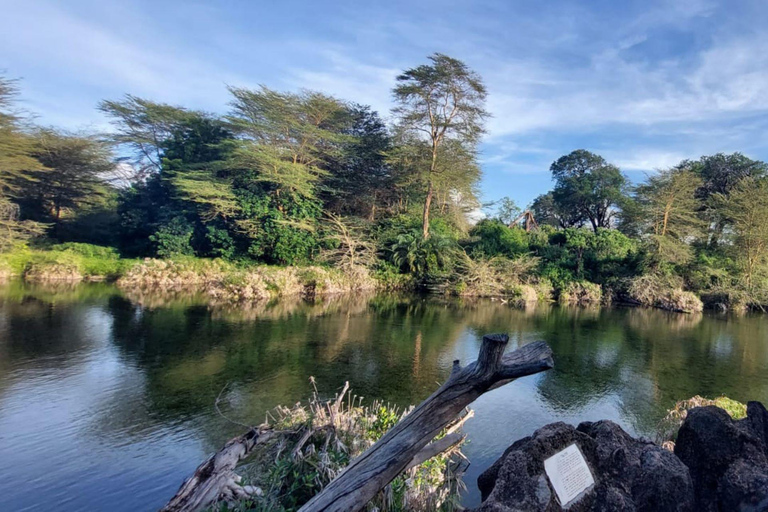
(581, 293)
(501, 277)
(663, 292)
(223, 283)
(670, 424)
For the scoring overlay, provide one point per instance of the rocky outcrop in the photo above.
(727, 459)
(719, 465)
(630, 474)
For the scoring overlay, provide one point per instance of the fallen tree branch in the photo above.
(388, 457)
(216, 476)
(435, 448)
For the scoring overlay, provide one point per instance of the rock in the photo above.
(727, 459)
(630, 474)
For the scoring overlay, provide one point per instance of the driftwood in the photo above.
(405, 446)
(390, 455)
(216, 478)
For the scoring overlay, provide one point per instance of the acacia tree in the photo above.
(746, 207)
(669, 211)
(17, 162)
(286, 143)
(437, 103)
(720, 174)
(76, 167)
(142, 128)
(588, 185)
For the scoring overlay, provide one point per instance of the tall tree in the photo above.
(669, 211)
(76, 167)
(746, 207)
(286, 144)
(142, 128)
(587, 184)
(720, 174)
(360, 181)
(17, 162)
(436, 103)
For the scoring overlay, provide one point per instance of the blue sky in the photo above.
(644, 83)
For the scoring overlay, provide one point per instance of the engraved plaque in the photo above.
(569, 474)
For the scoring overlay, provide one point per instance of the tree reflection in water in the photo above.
(154, 368)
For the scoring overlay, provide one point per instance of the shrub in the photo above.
(663, 291)
(411, 253)
(174, 238)
(581, 293)
(666, 432)
(497, 277)
(494, 238)
(306, 455)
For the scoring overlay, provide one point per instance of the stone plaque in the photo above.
(569, 474)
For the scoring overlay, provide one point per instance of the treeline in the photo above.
(296, 178)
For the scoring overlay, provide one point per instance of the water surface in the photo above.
(106, 401)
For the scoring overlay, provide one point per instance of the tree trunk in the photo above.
(378, 466)
(427, 205)
(216, 476)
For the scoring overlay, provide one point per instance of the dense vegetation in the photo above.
(297, 179)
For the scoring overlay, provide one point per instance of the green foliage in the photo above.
(440, 109)
(494, 238)
(576, 253)
(588, 188)
(173, 238)
(411, 253)
(73, 178)
(69, 261)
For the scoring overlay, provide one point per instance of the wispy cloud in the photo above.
(643, 82)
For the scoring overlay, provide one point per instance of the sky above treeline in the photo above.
(644, 83)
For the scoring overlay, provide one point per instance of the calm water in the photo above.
(106, 402)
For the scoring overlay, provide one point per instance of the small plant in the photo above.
(670, 424)
(318, 440)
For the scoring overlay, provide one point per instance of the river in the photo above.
(106, 401)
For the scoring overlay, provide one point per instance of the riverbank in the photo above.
(515, 282)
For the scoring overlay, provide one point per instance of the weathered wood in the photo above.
(216, 476)
(435, 448)
(380, 464)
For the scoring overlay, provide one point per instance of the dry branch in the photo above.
(389, 456)
(216, 476)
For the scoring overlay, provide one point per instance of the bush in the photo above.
(667, 430)
(582, 293)
(497, 277)
(411, 253)
(306, 455)
(174, 238)
(493, 238)
(663, 291)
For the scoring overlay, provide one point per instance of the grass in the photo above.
(224, 282)
(670, 424)
(664, 292)
(318, 440)
(65, 262)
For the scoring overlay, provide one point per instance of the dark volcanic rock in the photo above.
(630, 474)
(727, 459)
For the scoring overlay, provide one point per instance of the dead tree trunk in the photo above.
(383, 461)
(216, 476)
